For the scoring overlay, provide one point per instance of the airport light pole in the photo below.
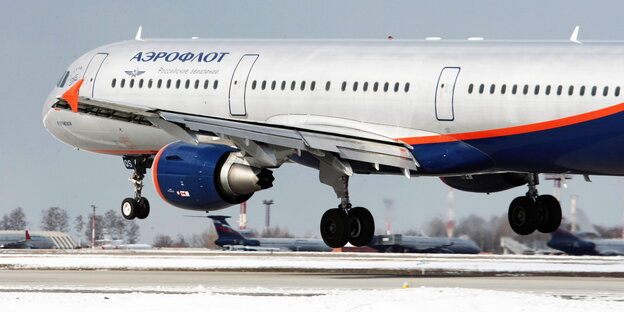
(267, 212)
(93, 228)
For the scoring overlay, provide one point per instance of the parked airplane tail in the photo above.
(228, 235)
(571, 244)
(28, 235)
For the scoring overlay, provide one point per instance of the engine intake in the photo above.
(206, 177)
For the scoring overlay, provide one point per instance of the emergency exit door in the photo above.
(238, 84)
(445, 93)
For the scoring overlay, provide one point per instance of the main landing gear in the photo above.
(137, 207)
(346, 224)
(534, 212)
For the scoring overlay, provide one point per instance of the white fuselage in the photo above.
(413, 88)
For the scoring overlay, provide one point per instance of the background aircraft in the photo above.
(585, 243)
(23, 240)
(421, 244)
(109, 243)
(230, 237)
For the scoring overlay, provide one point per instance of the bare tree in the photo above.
(436, 228)
(275, 231)
(114, 224)
(79, 224)
(55, 219)
(132, 232)
(205, 239)
(180, 241)
(15, 220)
(163, 241)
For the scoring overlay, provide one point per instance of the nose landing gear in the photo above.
(137, 207)
(534, 212)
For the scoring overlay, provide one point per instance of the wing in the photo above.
(268, 144)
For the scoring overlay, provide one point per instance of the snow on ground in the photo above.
(183, 260)
(258, 299)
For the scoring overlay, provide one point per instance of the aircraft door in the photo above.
(238, 84)
(445, 93)
(90, 74)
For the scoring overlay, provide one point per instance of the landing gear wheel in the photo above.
(522, 215)
(335, 228)
(362, 226)
(129, 208)
(144, 208)
(548, 213)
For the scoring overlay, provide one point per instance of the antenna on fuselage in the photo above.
(574, 36)
(138, 34)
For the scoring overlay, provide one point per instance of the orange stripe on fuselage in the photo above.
(551, 124)
(127, 152)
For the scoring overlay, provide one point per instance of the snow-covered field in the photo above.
(344, 262)
(411, 299)
(200, 298)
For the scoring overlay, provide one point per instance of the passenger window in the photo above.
(273, 84)
(196, 83)
(159, 84)
(312, 85)
(481, 88)
(594, 90)
(559, 89)
(375, 86)
(571, 90)
(283, 86)
(605, 92)
(355, 85)
(514, 89)
(536, 91)
(215, 84)
(327, 86)
(178, 83)
(150, 83)
(263, 86)
(492, 88)
(123, 83)
(582, 91)
(525, 90)
(344, 86)
(548, 90)
(302, 87)
(365, 86)
(386, 86)
(131, 84)
(113, 83)
(407, 85)
(396, 87)
(470, 87)
(141, 83)
(503, 89)
(187, 84)
(617, 91)
(206, 84)
(292, 85)
(253, 85)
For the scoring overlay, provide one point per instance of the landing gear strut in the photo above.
(137, 207)
(534, 212)
(346, 224)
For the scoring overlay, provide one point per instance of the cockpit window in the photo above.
(63, 79)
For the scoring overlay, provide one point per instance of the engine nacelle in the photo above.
(205, 177)
(486, 183)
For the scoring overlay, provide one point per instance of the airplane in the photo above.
(213, 118)
(109, 243)
(231, 239)
(583, 243)
(17, 240)
(423, 244)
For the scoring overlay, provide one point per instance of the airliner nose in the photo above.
(47, 106)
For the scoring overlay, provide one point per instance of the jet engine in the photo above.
(206, 177)
(486, 183)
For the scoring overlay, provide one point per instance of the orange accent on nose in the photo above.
(71, 95)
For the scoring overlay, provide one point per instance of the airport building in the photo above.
(42, 239)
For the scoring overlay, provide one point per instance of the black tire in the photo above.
(361, 226)
(144, 208)
(548, 213)
(335, 228)
(129, 208)
(522, 215)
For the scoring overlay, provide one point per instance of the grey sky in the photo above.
(41, 38)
